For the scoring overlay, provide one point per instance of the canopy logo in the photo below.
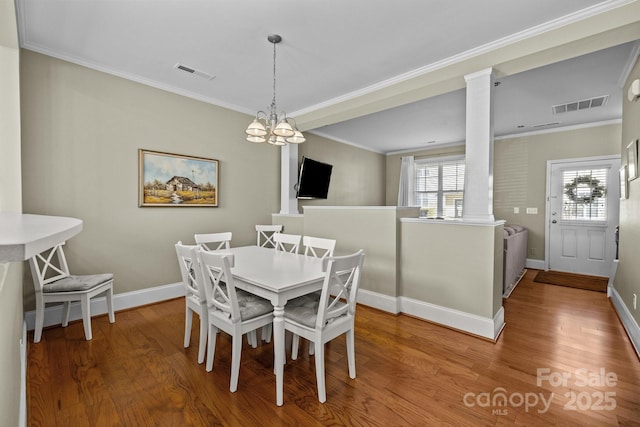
(593, 400)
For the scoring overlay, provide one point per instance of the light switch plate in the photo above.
(516, 210)
(531, 211)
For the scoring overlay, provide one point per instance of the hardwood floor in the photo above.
(409, 372)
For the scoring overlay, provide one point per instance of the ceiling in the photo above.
(386, 78)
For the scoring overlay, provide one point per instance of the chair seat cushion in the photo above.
(254, 308)
(304, 310)
(78, 283)
(244, 297)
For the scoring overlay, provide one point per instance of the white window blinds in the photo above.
(439, 187)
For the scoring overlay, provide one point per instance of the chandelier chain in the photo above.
(273, 102)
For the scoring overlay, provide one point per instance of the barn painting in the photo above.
(167, 179)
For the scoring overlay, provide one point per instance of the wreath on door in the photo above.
(571, 190)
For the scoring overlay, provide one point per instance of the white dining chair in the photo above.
(195, 298)
(287, 242)
(54, 283)
(318, 247)
(224, 311)
(214, 241)
(265, 235)
(330, 316)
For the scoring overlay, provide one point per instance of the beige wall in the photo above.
(520, 171)
(291, 224)
(627, 279)
(520, 165)
(11, 311)
(81, 133)
(357, 178)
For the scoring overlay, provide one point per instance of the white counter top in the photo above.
(457, 221)
(24, 235)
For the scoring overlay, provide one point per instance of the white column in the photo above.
(288, 178)
(478, 186)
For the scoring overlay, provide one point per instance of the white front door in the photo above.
(582, 214)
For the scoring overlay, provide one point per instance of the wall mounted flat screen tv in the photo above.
(313, 180)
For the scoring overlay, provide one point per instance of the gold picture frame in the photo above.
(176, 180)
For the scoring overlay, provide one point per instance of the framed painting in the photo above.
(632, 160)
(176, 180)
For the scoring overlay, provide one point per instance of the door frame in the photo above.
(547, 213)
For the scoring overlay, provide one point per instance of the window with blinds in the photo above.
(585, 195)
(440, 187)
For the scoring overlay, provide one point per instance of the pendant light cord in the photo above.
(273, 102)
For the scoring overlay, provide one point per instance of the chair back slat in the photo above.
(49, 266)
(318, 247)
(340, 288)
(188, 261)
(287, 242)
(265, 235)
(221, 294)
(214, 241)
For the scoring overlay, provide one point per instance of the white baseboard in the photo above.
(629, 323)
(380, 301)
(536, 264)
(123, 301)
(456, 319)
(466, 322)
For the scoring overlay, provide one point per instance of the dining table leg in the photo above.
(278, 345)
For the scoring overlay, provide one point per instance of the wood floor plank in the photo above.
(409, 372)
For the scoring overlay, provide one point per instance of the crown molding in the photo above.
(472, 53)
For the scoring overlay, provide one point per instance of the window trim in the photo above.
(439, 161)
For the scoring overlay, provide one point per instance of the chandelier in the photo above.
(273, 128)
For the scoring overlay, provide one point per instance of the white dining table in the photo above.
(277, 276)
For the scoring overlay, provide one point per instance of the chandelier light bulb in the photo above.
(297, 138)
(256, 128)
(283, 129)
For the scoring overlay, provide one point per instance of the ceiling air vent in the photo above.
(580, 105)
(194, 71)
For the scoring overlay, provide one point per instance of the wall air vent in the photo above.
(584, 104)
(193, 71)
(541, 125)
